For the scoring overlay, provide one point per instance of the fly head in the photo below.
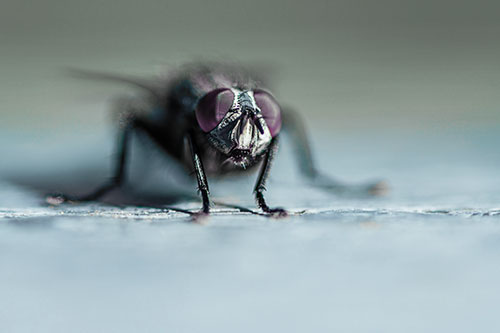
(239, 123)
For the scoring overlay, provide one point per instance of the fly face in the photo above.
(239, 123)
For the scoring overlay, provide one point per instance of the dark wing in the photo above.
(150, 85)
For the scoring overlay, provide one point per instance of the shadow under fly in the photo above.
(215, 119)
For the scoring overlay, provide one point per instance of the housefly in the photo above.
(215, 119)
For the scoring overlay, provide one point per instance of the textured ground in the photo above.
(423, 258)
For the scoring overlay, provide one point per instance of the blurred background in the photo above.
(400, 75)
(349, 65)
(402, 90)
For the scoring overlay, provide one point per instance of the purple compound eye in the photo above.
(212, 108)
(270, 110)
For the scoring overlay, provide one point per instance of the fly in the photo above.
(226, 119)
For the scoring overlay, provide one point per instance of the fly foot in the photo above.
(56, 199)
(277, 213)
(199, 217)
(380, 188)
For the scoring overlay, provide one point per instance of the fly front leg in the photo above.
(260, 186)
(294, 127)
(200, 176)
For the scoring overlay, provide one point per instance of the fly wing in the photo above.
(150, 85)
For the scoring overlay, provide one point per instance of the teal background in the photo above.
(347, 65)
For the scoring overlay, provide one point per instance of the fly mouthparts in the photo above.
(240, 152)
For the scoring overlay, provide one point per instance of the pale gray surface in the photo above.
(424, 258)
(403, 90)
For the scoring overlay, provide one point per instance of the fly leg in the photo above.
(260, 186)
(200, 176)
(294, 127)
(118, 177)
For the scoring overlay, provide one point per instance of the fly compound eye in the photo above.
(270, 110)
(212, 108)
